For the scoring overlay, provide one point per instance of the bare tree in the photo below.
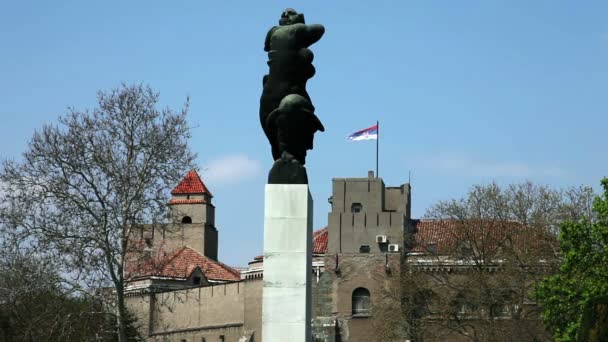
(34, 306)
(474, 262)
(82, 184)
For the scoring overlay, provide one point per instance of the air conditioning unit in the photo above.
(381, 239)
(393, 248)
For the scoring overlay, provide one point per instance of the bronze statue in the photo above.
(286, 111)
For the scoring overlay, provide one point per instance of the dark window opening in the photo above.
(364, 249)
(424, 303)
(463, 306)
(187, 219)
(361, 302)
(465, 250)
(196, 280)
(356, 208)
(203, 339)
(222, 339)
(503, 306)
(500, 310)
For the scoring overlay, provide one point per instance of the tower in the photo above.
(192, 216)
(368, 230)
(367, 216)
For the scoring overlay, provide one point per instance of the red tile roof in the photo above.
(446, 236)
(182, 263)
(191, 184)
(319, 241)
(187, 201)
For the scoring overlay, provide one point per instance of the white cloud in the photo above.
(465, 165)
(231, 169)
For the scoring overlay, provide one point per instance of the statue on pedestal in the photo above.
(286, 111)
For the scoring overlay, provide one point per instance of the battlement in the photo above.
(365, 211)
(369, 195)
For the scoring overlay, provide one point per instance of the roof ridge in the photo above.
(176, 253)
(230, 269)
(208, 259)
(197, 252)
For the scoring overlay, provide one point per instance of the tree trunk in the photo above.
(121, 318)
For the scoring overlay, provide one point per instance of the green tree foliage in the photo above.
(582, 279)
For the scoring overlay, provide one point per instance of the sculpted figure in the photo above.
(286, 111)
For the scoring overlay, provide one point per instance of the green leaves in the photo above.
(582, 278)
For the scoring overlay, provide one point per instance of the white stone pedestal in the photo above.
(286, 301)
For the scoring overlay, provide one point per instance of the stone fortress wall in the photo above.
(362, 210)
(227, 310)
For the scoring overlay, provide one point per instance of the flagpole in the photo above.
(377, 143)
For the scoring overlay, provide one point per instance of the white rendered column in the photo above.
(286, 301)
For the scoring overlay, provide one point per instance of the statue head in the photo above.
(290, 16)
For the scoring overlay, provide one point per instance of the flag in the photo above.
(365, 134)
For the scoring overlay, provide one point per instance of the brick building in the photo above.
(181, 292)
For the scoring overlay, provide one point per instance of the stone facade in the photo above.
(191, 208)
(368, 225)
(177, 288)
(360, 262)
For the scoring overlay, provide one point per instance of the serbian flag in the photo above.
(365, 134)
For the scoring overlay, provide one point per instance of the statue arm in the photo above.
(312, 33)
(267, 40)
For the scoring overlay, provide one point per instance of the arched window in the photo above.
(361, 302)
(187, 219)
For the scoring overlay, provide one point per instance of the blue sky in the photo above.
(466, 92)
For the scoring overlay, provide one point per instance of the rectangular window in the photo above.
(500, 310)
(464, 309)
(196, 280)
(361, 306)
(222, 339)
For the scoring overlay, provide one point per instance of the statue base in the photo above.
(287, 171)
(286, 295)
